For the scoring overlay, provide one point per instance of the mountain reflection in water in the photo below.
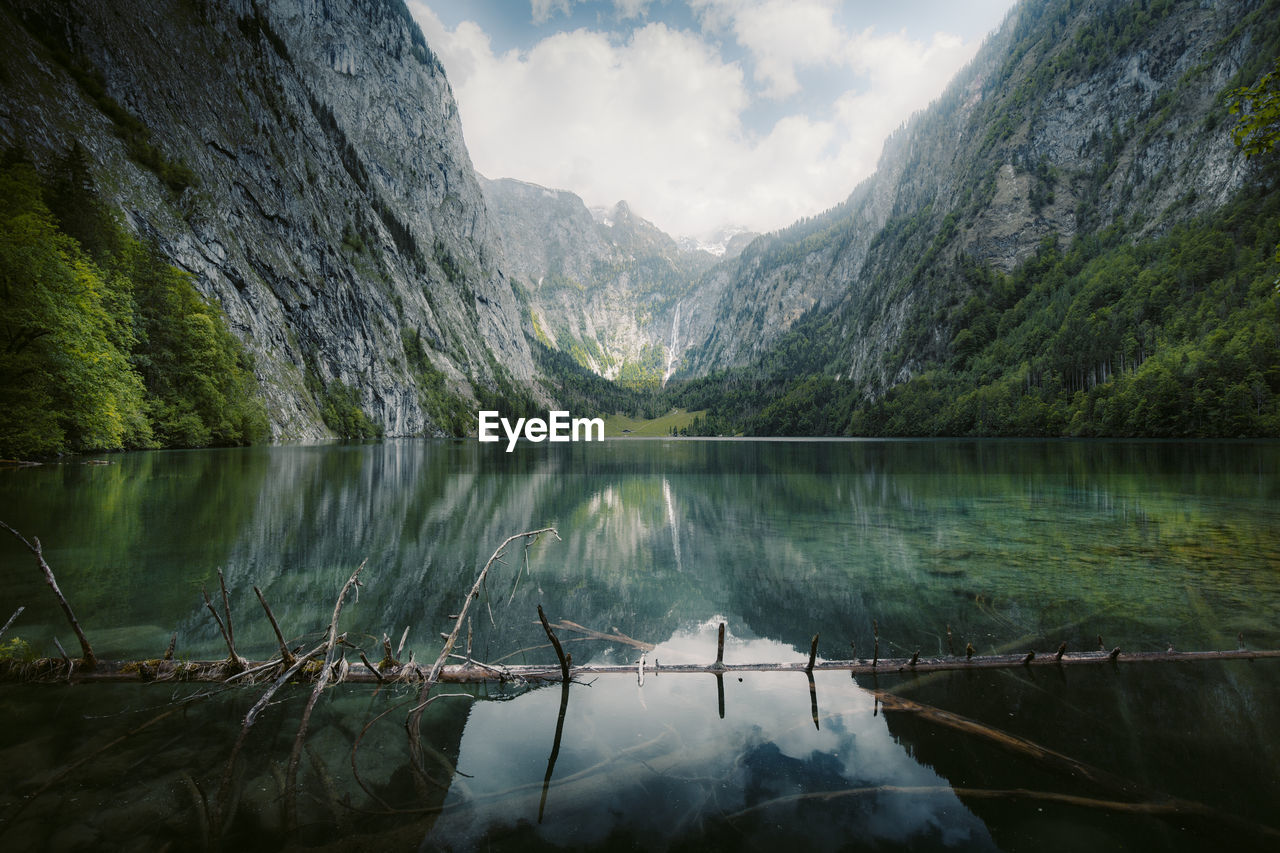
(1009, 545)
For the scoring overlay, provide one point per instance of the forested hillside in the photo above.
(103, 345)
(305, 164)
(1173, 336)
(242, 240)
(1095, 256)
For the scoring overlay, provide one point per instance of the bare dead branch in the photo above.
(330, 643)
(285, 654)
(215, 671)
(413, 721)
(234, 663)
(226, 608)
(555, 643)
(12, 619)
(90, 660)
(590, 633)
(71, 667)
(433, 674)
(371, 667)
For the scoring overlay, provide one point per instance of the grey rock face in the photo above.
(1008, 155)
(335, 215)
(604, 285)
(335, 210)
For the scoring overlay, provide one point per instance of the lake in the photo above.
(1008, 545)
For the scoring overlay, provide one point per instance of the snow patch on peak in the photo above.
(727, 241)
(602, 215)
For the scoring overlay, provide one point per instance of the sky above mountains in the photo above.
(701, 114)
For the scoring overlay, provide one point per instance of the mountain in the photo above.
(1067, 242)
(305, 164)
(723, 243)
(1082, 128)
(603, 285)
(1073, 115)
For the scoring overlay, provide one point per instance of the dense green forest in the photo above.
(586, 393)
(1173, 336)
(1176, 333)
(1178, 336)
(103, 345)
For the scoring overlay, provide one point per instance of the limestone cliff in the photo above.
(303, 159)
(605, 285)
(1075, 115)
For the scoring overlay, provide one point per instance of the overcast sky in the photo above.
(699, 113)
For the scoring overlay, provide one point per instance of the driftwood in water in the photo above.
(235, 663)
(430, 677)
(566, 665)
(286, 655)
(1126, 796)
(12, 619)
(885, 666)
(158, 669)
(322, 678)
(615, 637)
(216, 814)
(288, 667)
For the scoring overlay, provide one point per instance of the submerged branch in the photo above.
(7, 820)
(330, 643)
(1048, 758)
(1170, 809)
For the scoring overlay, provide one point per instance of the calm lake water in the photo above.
(1012, 545)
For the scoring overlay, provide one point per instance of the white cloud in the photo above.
(656, 117)
(784, 35)
(631, 8)
(544, 9)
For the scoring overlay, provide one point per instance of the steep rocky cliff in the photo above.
(303, 159)
(1075, 115)
(606, 285)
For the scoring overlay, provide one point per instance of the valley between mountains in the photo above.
(246, 221)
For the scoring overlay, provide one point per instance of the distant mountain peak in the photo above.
(603, 215)
(619, 214)
(727, 242)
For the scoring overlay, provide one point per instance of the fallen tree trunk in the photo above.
(287, 668)
(158, 669)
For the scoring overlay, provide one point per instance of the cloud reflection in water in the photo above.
(655, 766)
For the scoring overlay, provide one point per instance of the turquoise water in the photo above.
(1011, 545)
